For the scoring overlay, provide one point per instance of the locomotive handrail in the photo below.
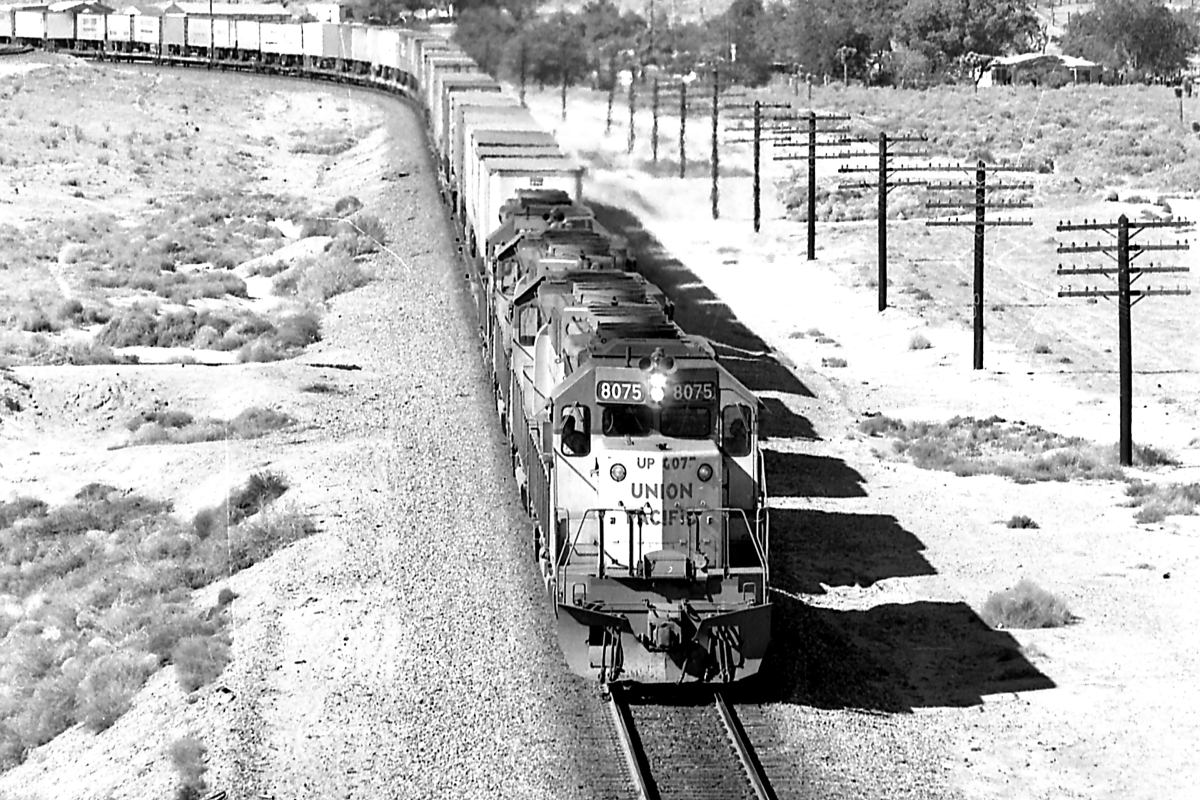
(564, 558)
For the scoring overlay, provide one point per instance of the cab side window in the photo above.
(735, 430)
(528, 328)
(576, 430)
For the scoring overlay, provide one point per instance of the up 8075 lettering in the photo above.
(634, 448)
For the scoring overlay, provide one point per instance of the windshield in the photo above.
(677, 422)
(625, 420)
(685, 422)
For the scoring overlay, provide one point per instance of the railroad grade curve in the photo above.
(720, 641)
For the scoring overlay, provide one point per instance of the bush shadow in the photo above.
(698, 310)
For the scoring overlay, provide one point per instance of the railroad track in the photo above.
(695, 748)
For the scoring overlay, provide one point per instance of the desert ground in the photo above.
(889, 683)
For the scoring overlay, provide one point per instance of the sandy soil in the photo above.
(895, 562)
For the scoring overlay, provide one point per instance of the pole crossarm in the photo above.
(1112, 226)
(989, 204)
(970, 223)
(897, 168)
(1133, 293)
(1134, 249)
(875, 184)
(971, 185)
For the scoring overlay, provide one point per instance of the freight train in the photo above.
(635, 450)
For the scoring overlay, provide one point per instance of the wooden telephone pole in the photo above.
(980, 204)
(761, 115)
(810, 146)
(885, 181)
(1126, 295)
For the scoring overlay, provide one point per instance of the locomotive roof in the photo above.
(529, 164)
(510, 136)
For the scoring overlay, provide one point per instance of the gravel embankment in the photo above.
(407, 650)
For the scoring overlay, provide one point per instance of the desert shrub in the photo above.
(82, 354)
(225, 597)
(199, 660)
(108, 688)
(321, 278)
(1155, 502)
(177, 427)
(320, 387)
(258, 420)
(1021, 521)
(298, 329)
(173, 624)
(345, 206)
(1042, 348)
(918, 341)
(36, 320)
(270, 530)
(259, 490)
(833, 362)
(187, 757)
(1023, 452)
(20, 508)
(1026, 605)
(166, 418)
(880, 425)
(1149, 456)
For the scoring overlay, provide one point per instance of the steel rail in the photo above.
(635, 759)
(745, 753)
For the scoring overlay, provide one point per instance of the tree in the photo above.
(946, 30)
(486, 35)
(1141, 35)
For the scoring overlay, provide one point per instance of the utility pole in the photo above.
(980, 205)
(663, 99)
(1124, 293)
(811, 144)
(716, 113)
(885, 182)
(758, 119)
(632, 108)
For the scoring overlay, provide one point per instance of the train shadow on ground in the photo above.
(891, 657)
(699, 311)
(799, 475)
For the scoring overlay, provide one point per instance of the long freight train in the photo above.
(636, 452)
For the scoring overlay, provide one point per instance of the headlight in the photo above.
(658, 387)
(704, 473)
(617, 471)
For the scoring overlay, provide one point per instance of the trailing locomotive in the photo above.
(635, 450)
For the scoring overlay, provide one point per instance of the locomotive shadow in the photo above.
(812, 550)
(803, 475)
(698, 310)
(780, 422)
(893, 657)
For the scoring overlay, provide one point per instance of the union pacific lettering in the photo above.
(670, 517)
(661, 491)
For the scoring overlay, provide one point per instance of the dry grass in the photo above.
(98, 596)
(187, 757)
(1026, 605)
(179, 427)
(918, 341)
(993, 446)
(320, 278)
(1155, 502)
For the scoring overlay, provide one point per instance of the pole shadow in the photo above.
(698, 311)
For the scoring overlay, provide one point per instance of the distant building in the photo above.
(261, 12)
(1041, 69)
(325, 12)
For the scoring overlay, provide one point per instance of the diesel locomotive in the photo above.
(635, 450)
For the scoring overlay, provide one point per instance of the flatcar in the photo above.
(634, 449)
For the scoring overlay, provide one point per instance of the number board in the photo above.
(620, 392)
(692, 392)
(633, 392)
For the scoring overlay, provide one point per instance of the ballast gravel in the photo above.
(407, 650)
